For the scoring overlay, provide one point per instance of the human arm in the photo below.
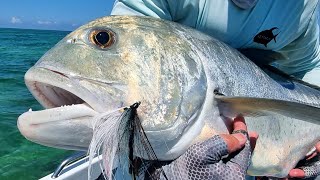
(158, 9)
(303, 54)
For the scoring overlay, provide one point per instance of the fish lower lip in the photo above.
(58, 113)
(68, 127)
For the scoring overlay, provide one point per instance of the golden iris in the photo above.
(102, 38)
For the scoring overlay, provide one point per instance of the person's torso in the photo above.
(270, 24)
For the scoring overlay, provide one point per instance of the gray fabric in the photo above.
(313, 170)
(205, 161)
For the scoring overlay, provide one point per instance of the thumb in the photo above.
(234, 142)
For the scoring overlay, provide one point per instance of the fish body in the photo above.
(174, 71)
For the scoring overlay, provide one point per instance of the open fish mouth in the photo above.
(59, 94)
(67, 120)
(52, 96)
(60, 105)
(56, 89)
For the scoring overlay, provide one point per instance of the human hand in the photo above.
(310, 166)
(207, 160)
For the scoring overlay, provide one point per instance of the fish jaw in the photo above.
(66, 123)
(67, 127)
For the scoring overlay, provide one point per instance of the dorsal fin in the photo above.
(263, 58)
(289, 77)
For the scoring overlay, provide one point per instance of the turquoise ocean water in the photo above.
(20, 158)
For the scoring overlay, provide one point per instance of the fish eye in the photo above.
(102, 38)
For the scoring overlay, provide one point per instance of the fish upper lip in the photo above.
(52, 95)
(84, 78)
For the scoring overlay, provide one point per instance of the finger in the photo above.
(311, 156)
(242, 159)
(307, 171)
(296, 173)
(313, 152)
(318, 147)
(234, 142)
(253, 136)
(239, 123)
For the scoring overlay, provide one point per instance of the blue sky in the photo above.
(51, 14)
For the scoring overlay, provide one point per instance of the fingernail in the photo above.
(241, 138)
(239, 118)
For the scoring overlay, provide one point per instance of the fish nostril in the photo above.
(72, 40)
(59, 73)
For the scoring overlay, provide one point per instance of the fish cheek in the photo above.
(182, 89)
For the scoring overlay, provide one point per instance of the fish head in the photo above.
(108, 64)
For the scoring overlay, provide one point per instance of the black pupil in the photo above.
(102, 38)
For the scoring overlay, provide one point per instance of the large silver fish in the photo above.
(176, 72)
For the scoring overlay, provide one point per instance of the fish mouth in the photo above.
(60, 92)
(66, 122)
(52, 96)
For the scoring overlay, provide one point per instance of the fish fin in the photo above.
(269, 69)
(262, 57)
(274, 37)
(249, 106)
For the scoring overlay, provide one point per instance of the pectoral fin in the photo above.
(231, 106)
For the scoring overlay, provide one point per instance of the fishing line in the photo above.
(136, 129)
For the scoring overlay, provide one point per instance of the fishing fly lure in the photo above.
(121, 141)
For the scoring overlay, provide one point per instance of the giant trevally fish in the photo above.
(189, 85)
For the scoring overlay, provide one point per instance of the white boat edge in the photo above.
(77, 170)
(76, 166)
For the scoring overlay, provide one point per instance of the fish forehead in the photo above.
(135, 39)
(128, 22)
(81, 59)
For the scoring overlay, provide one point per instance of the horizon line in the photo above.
(22, 28)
